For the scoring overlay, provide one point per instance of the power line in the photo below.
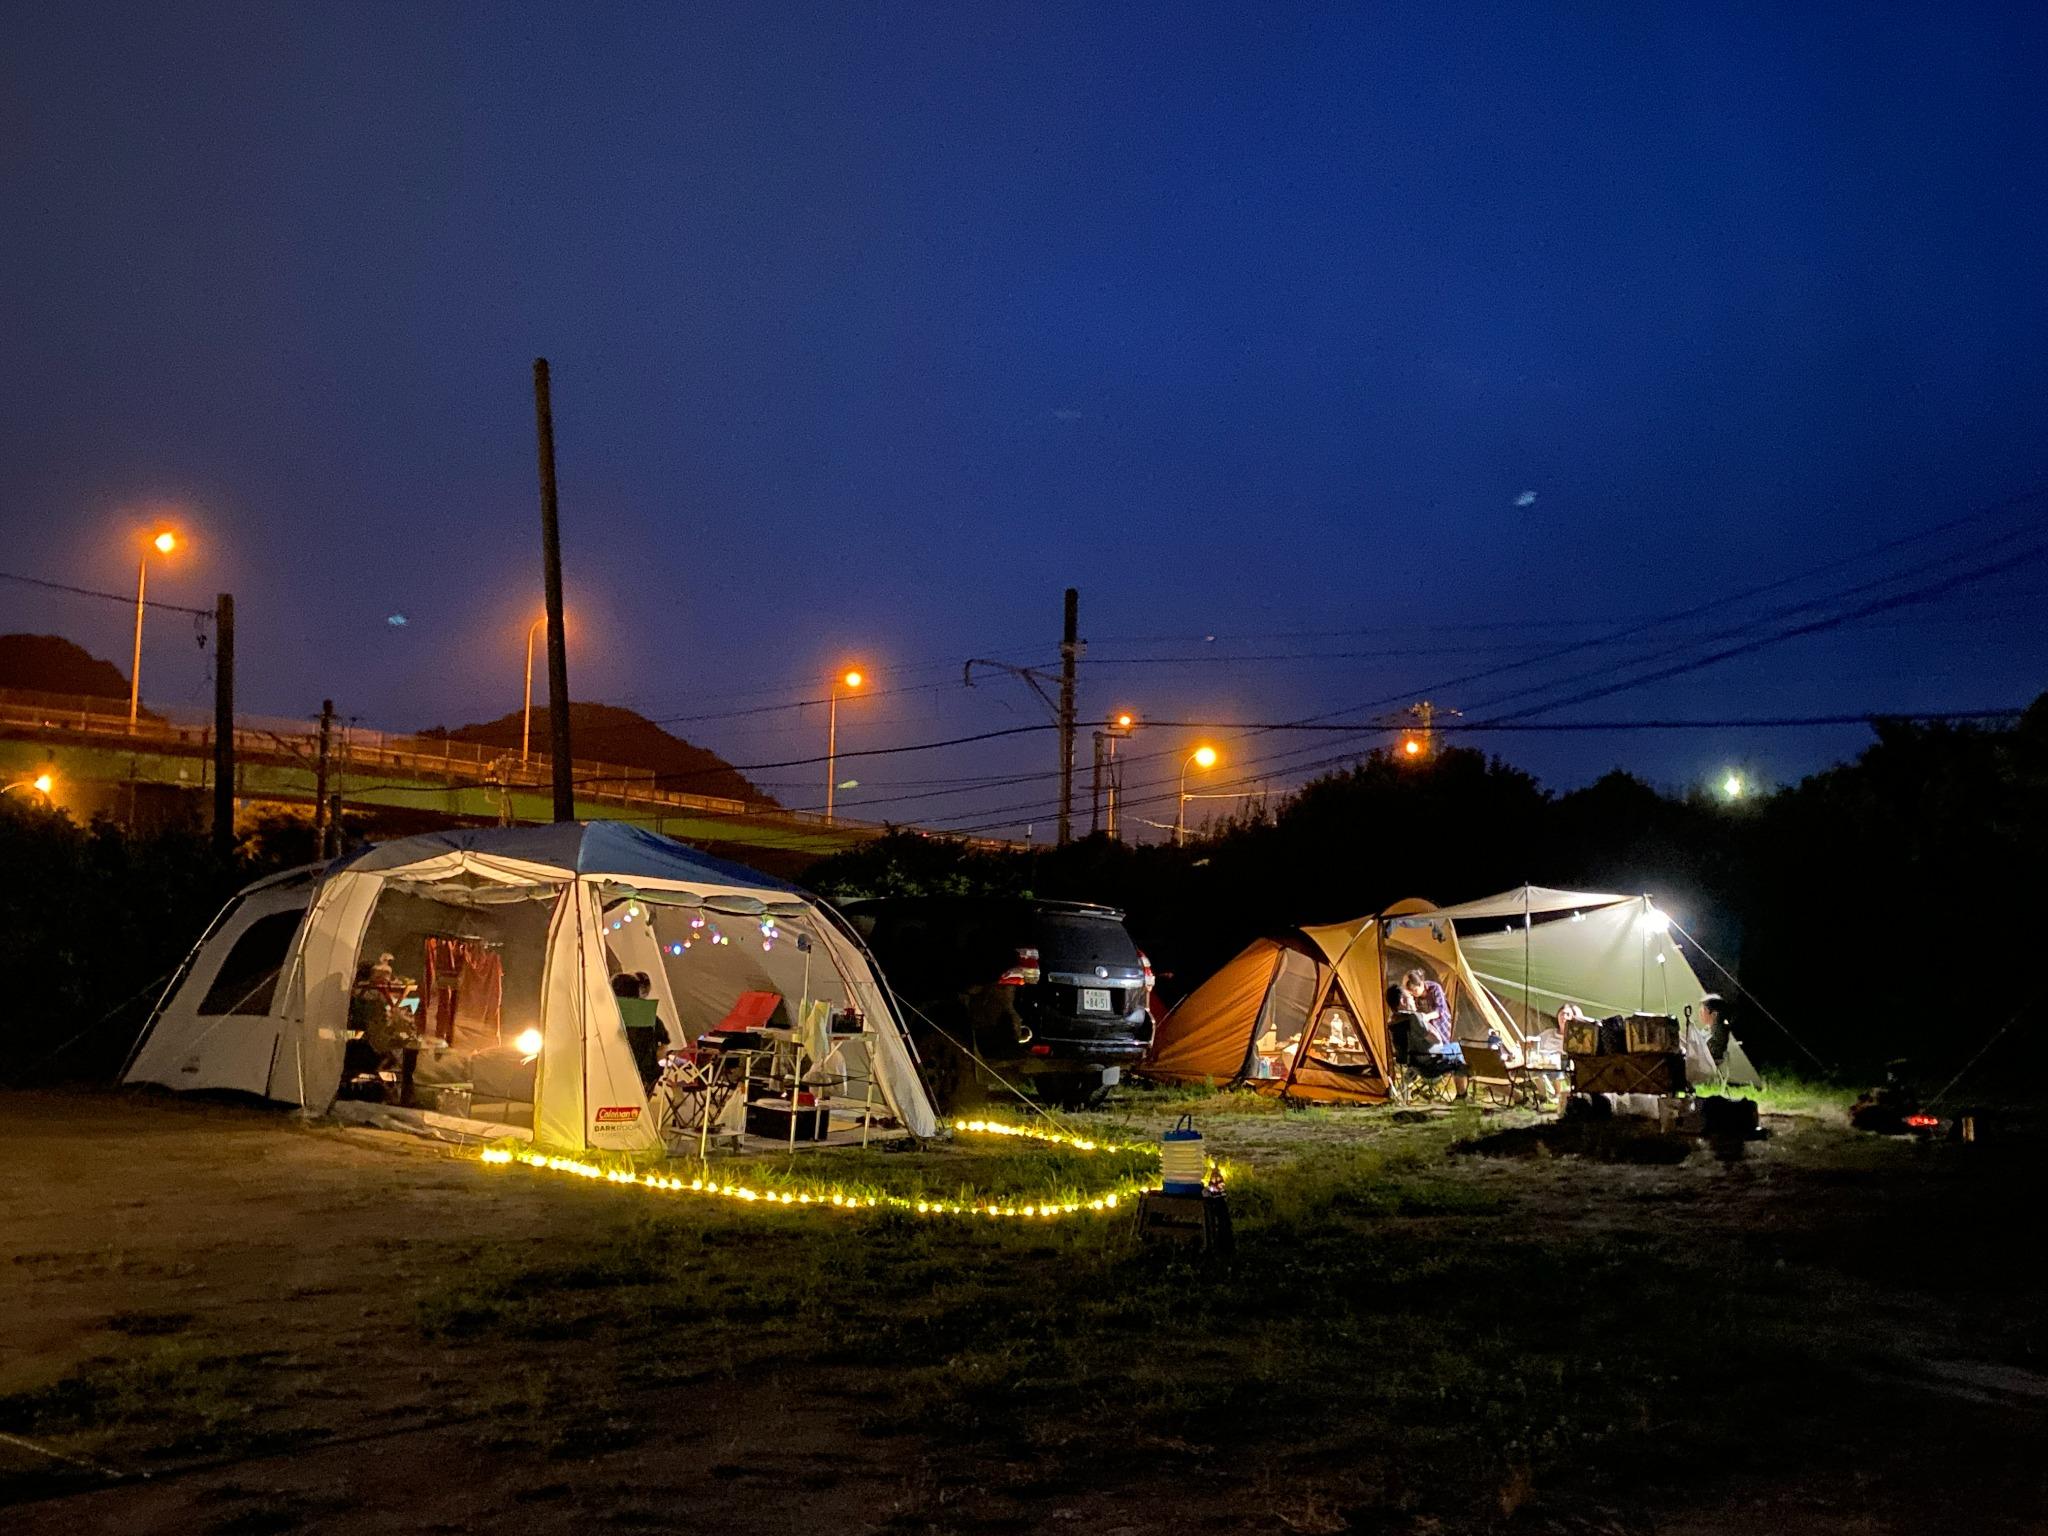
(114, 597)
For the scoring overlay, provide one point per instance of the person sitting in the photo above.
(637, 1011)
(1413, 1046)
(1426, 998)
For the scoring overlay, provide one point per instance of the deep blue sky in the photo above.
(874, 327)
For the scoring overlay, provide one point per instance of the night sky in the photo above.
(1384, 344)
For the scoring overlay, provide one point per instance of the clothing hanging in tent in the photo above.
(465, 984)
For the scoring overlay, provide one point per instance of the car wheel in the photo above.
(1071, 1090)
(949, 1074)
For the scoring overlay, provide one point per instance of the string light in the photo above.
(826, 1198)
(1051, 1138)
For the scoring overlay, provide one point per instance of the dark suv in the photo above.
(1051, 994)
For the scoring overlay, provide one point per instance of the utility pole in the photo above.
(551, 561)
(224, 724)
(320, 779)
(1095, 790)
(1070, 651)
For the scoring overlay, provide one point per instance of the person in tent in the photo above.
(1426, 998)
(1413, 1046)
(644, 1031)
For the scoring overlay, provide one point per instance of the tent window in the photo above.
(1284, 1015)
(247, 978)
(1339, 1040)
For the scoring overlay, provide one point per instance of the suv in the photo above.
(1052, 993)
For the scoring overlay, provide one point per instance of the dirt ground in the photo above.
(217, 1320)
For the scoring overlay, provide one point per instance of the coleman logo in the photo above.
(618, 1114)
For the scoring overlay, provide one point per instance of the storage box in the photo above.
(1651, 1032)
(1582, 1037)
(770, 1118)
(1630, 1072)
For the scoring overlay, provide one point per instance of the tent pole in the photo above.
(1528, 1003)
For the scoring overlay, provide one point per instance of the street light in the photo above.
(1202, 757)
(163, 544)
(526, 721)
(851, 681)
(41, 784)
(1732, 786)
(1108, 778)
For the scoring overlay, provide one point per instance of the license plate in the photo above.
(1095, 999)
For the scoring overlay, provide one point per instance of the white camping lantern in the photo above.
(1183, 1165)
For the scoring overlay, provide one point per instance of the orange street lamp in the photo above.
(1202, 757)
(1411, 747)
(851, 681)
(1114, 729)
(526, 720)
(163, 544)
(41, 784)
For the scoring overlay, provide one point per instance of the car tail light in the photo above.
(1025, 973)
(1151, 981)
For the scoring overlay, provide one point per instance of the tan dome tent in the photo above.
(539, 918)
(1303, 1015)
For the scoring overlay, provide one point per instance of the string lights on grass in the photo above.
(1050, 1138)
(827, 1198)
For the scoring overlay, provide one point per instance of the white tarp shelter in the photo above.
(1538, 949)
(262, 1005)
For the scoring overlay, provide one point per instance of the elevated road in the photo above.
(402, 781)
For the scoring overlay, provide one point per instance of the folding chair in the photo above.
(1490, 1074)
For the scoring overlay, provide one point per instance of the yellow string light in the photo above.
(826, 1198)
(1051, 1138)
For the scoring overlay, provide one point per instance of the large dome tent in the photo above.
(548, 914)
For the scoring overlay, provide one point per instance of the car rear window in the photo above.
(1068, 941)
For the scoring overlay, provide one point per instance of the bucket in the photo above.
(1183, 1165)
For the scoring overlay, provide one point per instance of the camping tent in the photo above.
(1538, 949)
(1303, 1015)
(509, 937)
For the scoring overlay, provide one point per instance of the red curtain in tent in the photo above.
(465, 986)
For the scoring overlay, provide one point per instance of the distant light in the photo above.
(1124, 721)
(1205, 757)
(849, 783)
(44, 783)
(1526, 499)
(165, 542)
(396, 621)
(1733, 787)
(527, 1043)
(1412, 747)
(852, 680)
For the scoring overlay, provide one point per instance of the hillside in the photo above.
(604, 733)
(52, 664)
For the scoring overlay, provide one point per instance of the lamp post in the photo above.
(41, 784)
(851, 681)
(1118, 726)
(163, 544)
(526, 721)
(1201, 757)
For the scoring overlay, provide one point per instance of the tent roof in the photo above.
(1533, 899)
(595, 848)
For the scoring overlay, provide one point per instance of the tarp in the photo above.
(1609, 954)
(586, 1088)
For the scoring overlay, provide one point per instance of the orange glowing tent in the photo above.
(1303, 1014)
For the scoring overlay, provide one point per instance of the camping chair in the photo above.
(1490, 1074)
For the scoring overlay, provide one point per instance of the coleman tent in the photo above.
(502, 942)
(1303, 1015)
(1537, 949)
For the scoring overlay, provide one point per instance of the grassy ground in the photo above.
(1822, 1333)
